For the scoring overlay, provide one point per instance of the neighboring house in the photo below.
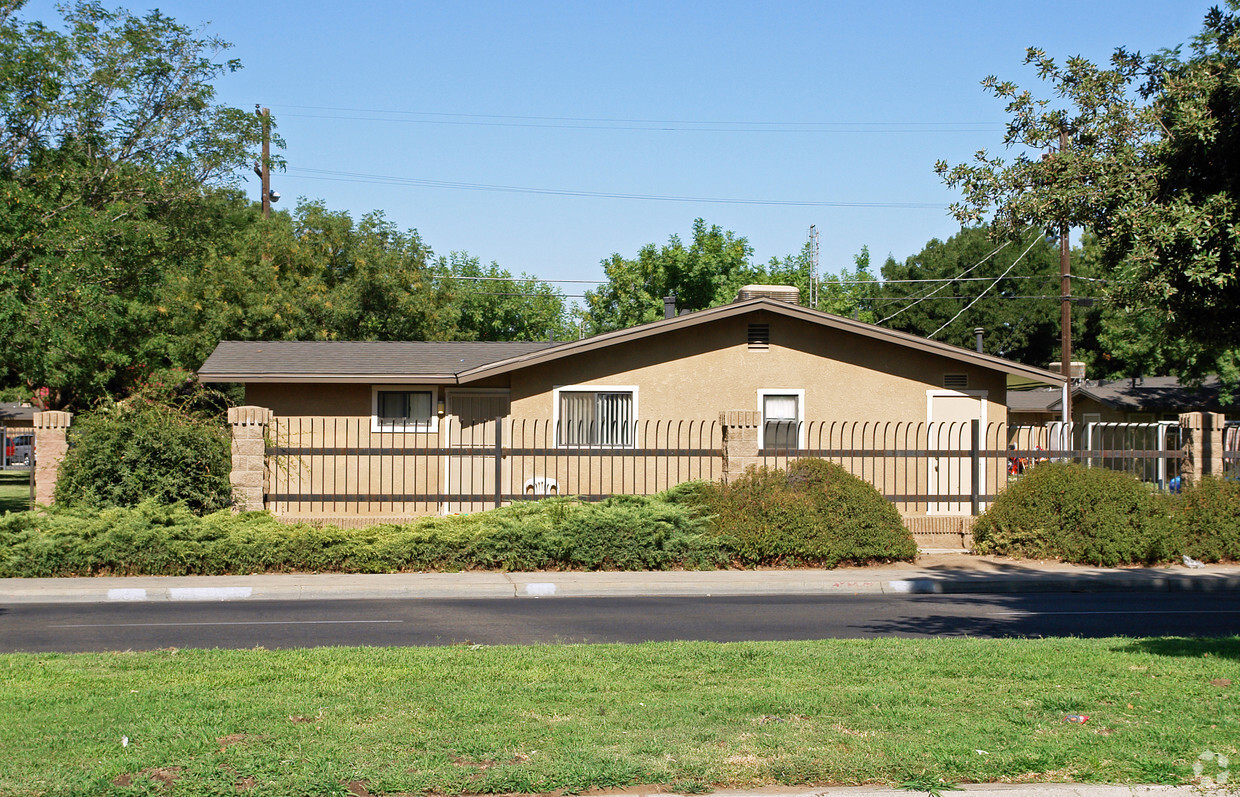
(17, 416)
(782, 364)
(1137, 400)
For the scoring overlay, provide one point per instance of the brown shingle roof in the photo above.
(240, 361)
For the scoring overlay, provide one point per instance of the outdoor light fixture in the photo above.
(439, 407)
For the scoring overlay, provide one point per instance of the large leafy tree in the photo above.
(1149, 164)
(705, 273)
(1008, 289)
(110, 141)
(490, 304)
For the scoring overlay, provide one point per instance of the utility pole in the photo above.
(1065, 310)
(264, 168)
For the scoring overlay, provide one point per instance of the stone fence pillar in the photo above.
(1203, 444)
(249, 450)
(50, 445)
(740, 441)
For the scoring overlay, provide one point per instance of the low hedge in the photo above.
(1085, 515)
(813, 512)
(1101, 517)
(1208, 519)
(625, 533)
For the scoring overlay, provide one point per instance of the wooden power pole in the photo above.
(264, 169)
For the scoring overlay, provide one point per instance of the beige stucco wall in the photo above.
(310, 399)
(701, 371)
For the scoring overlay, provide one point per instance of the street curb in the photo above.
(663, 584)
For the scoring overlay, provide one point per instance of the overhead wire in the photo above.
(986, 290)
(993, 252)
(658, 125)
(357, 177)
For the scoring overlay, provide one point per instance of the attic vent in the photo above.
(759, 337)
(956, 381)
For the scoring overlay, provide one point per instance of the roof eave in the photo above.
(370, 379)
(739, 308)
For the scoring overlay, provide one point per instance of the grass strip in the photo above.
(14, 491)
(471, 719)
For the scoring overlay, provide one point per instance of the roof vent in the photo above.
(759, 337)
(956, 381)
(780, 293)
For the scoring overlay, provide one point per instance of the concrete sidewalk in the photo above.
(930, 574)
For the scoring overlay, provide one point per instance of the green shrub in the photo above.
(1084, 515)
(126, 454)
(1208, 518)
(153, 539)
(814, 512)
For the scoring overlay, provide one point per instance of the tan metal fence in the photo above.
(332, 466)
(959, 467)
(325, 466)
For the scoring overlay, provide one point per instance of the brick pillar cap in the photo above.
(249, 416)
(743, 418)
(53, 419)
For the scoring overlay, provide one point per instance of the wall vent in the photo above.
(956, 381)
(759, 337)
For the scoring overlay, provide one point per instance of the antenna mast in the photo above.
(813, 266)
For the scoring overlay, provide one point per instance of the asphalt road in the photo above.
(279, 624)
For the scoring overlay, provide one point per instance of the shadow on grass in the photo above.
(1226, 648)
(14, 491)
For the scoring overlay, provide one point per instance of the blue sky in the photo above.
(827, 102)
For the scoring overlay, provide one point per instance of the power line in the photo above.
(515, 279)
(986, 289)
(993, 252)
(659, 125)
(357, 177)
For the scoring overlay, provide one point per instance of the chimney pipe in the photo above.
(669, 306)
(979, 331)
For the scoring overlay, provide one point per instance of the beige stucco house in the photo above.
(760, 354)
(781, 366)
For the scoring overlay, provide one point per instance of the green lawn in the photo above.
(14, 490)
(691, 715)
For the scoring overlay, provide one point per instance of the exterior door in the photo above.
(469, 478)
(950, 430)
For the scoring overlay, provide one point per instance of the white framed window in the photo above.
(595, 415)
(782, 418)
(404, 408)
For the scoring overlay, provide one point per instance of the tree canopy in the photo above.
(1149, 165)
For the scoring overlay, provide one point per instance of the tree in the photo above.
(491, 304)
(704, 274)
(109, 143)
(1149, 165)
(990, 287)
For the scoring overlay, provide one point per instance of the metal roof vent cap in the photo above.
(780, 293)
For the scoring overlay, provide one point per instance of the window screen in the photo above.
(596, 418)
(780, 418)
(404, 407)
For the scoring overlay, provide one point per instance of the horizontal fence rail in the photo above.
(333, 466)
(959, 467)
(350, 466)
